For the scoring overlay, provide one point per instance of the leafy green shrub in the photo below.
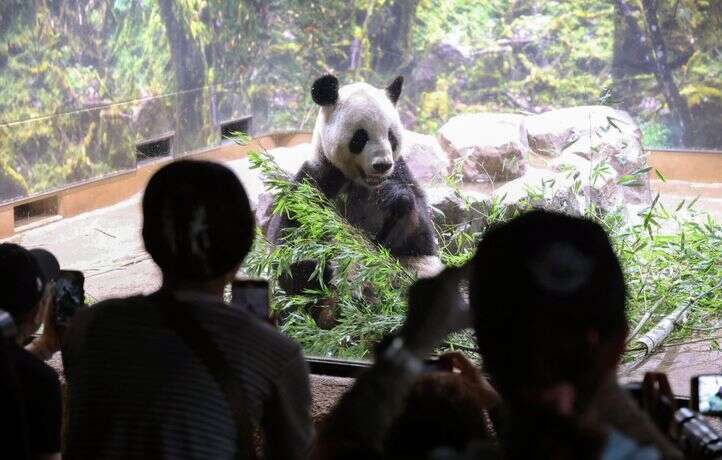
(656, 134)
(668, 260)
(361, 267)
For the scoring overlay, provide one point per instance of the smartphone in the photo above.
(69, 295)
(706, 394)
(253, 296)
(436, 365)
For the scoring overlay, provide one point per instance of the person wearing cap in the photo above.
(547, 303)
(26, 286)
(140, 384)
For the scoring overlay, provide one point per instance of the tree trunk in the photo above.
(677, 104)
(391, 35)
(631, 50)
(190, 77)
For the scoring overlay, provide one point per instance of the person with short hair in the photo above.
(26, 287)
(548, 297)
(178, 373)
(547, 302)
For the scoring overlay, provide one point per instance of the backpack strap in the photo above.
(201, 343)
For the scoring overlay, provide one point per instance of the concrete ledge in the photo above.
(699, 167)
(107, 191)
(688, 165)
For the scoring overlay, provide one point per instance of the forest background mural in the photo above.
(82, 81)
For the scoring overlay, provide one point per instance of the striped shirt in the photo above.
(136, 390)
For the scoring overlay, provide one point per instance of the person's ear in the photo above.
(393, 91)
(324, 91)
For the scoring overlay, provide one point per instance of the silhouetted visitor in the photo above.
(26, 290)
(14, 435)
(548, 297)
(547, 300)
(180, 374)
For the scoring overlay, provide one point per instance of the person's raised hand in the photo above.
(437, 307)
(50, 341)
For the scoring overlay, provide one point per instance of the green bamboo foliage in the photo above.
(667, 256)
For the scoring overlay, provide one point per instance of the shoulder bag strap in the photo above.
(203, 346)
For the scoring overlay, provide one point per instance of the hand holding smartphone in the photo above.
(253, 296)
(437, 307)
(69, 295)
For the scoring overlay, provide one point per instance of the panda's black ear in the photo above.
(325, 90)
(393, 91)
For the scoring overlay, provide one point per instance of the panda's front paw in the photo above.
(395, 199)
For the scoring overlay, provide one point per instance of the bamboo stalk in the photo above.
(643, 320)
(659, 333)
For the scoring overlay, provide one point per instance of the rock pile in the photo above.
(566, 160)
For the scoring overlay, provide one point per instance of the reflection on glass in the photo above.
(80, 87)
(91, 90)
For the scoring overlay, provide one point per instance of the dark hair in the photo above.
(546, 289)
(21, 281)
(197, 222)
(442, 409)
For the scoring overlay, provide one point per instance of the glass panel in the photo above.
(568, 91)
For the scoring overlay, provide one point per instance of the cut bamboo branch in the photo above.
(659, 333)
(643, 320)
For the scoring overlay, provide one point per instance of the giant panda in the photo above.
(357, 161)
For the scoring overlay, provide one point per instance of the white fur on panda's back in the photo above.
(359, 105)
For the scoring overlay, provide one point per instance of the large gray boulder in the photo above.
(449, 206)
(595, 173)
(424, 157)
(593, 132)
(541, 189)
(599, 134)
(491, 147)
(454, 211)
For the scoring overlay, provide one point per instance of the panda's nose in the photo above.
(382, 166)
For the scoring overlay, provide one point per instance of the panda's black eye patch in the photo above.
(392, 139)
(358, 141)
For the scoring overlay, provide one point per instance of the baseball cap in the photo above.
(23, 277)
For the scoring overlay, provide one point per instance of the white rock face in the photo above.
(592, 132)
(536, 181)
(596, 173)
(597, 133)
(288, 158)
(550, 133)
(291, 158)
(423, 154)
(492, 147)
(541, 188)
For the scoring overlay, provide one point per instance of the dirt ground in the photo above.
(106, 245)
